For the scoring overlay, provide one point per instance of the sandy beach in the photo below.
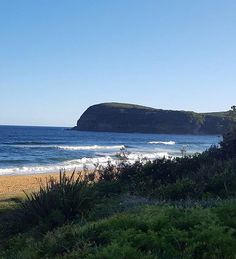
(14, 185)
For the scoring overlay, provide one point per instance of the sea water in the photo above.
(27, 150)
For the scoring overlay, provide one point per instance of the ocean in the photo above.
(32, 150)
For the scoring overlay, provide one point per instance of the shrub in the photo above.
(60, 201)
(194, 177)
(228, 145)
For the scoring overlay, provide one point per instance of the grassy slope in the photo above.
(145, 232)
(225, 114)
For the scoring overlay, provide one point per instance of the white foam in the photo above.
(146, 156)
(80, 163)
(94, 147)
(162, 142)
(67, 165)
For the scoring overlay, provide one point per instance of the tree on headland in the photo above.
(233, 108)
(232, 113)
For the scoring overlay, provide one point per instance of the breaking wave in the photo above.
(80, 163)
(94, 147)
(133, 157)
(162, 142)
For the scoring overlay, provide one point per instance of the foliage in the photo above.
(146, 232)
(228, 145)
(60, 201)
(195, 177)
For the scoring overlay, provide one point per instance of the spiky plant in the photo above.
(59, 201)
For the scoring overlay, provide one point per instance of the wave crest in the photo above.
(162, 142)
(94, 147)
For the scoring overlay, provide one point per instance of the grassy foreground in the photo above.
(144, 232)
(179, 208)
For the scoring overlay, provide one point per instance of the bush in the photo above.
(60, 201)
(195, 177)
(228, 145)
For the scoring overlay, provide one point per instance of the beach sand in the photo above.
(14, 185)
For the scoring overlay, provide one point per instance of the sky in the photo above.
(59, 57)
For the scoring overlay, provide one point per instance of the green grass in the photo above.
(145, 232)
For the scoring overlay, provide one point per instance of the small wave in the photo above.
(94, 147)
(26, 143)
(72, 148)
(28, 146)
(162, 142)
(12, 161)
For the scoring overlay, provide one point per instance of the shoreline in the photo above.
(13, 185)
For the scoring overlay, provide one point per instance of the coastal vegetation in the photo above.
(169, 208)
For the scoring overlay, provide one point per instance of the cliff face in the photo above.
(128, 118)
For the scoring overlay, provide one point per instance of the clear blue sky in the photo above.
(59, 57)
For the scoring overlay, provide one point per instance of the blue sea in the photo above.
(32, 150)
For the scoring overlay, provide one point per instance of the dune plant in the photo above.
(59, 201)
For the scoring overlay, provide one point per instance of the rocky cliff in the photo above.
(128, 118)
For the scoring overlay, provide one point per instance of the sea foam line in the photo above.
(67, 165)
(94, 147)
(162, 142)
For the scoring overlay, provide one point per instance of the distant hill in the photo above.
(129, 118)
